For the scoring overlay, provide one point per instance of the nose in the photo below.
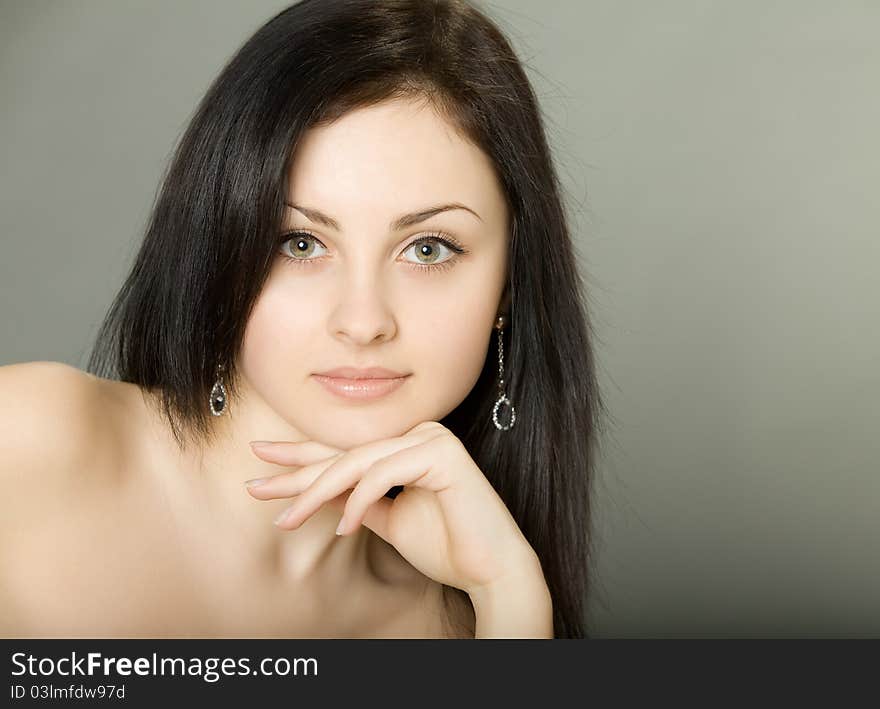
(361, 314)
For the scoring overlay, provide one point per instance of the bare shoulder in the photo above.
(54, 455)
(58, 441)
(50, 424)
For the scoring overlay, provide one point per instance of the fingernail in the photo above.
(257, 444)
(255, 482)
(339, 528)
(280, 518)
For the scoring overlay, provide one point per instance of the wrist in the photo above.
(516, 605)
(525, 572)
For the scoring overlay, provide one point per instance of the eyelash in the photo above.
(442, 237)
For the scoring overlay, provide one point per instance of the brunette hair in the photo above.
(213, 233)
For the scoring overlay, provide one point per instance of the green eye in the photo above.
(301, 243)
(427, 248)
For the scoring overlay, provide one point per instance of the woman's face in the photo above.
(360, 292)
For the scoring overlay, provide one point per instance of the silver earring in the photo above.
(502, 397)
(217, 402)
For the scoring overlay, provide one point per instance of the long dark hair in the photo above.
(212, 237)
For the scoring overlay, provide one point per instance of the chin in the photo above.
(355, 429)
(345, 436)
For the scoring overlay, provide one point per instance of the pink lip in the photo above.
(360, 389)
(355, 373)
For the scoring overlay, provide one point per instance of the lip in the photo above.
(355, 373)
(360, 389)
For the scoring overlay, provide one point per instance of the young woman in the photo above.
(359, 254)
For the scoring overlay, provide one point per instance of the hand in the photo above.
(448, 521)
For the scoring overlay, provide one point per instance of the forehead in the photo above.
(397, 153)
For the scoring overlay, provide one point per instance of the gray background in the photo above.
(720, 162)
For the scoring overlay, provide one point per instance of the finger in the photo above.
(294, 452)
(288, 484)
(376, 518)
(411, 466)
(344, 473)
(427, 426)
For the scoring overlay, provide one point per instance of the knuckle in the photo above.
(376, 471)
(427, 426)
(450, 442)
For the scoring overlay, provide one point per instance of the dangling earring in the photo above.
(217, 402)
(502, 397)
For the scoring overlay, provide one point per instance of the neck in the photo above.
(206, 488)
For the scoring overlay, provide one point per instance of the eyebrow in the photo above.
(401, 222)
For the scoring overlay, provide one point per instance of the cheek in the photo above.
(277, 336)
(449, 339)
(451, 369)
